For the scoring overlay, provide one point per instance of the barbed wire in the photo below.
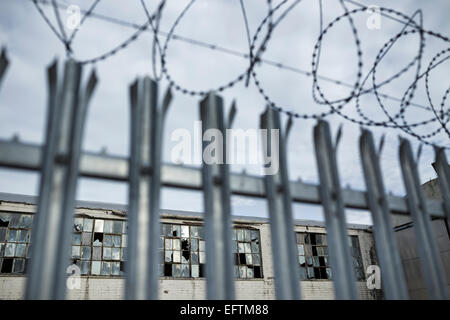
(411, 26)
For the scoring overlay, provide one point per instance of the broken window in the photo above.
(247, 252)
(15, 242)
(312, 251)
(99, 243)
(182, 251)
(356, 257)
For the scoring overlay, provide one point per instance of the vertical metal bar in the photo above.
(443, 172)
(54, 218)
(286, 266)
(427, 248)
(3, 64)
(216, 190)
(142, 263)
(331, 197)
(392, 277)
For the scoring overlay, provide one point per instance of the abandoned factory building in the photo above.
(100, 242)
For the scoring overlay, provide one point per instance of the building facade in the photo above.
(99, 246)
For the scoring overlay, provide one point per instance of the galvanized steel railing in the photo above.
(60, 162)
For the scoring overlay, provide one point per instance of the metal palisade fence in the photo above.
(60, 162)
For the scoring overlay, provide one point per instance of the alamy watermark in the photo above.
(373, 22)
(374, 277)
(73, 20)
(239, 146)
(74, 280)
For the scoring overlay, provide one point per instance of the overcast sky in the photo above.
(32, 46)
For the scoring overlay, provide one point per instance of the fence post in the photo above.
(52, 226)
(443, 172)
(427, 248)
(216, 197)
(333, 207)
(3, 64)
(142, 263)
(392, 278)
(286, 266)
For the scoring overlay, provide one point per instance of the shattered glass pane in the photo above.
(195, 271)
(185, 244)
(185, 270)
(96, 267)
(107, 253)
(185, 257)
(10, 248)
(184, 231)
(106, 268)
(329, 274)
(76, 252)
(88, 224)
(107, 228)
(176, 230)
(115, 253)
(4, 219)
(99, 225)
